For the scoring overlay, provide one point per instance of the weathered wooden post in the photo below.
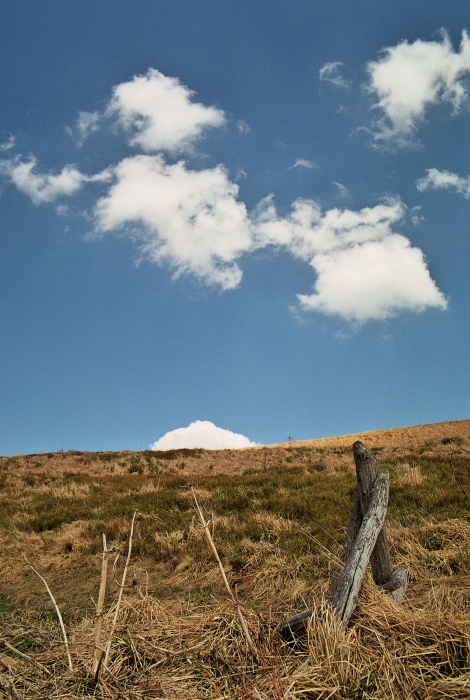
(366, 471)
(395, 582)
(346, 591)
(366, 539)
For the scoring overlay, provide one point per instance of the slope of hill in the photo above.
(278, 516)
(416, 437)
(434, 440)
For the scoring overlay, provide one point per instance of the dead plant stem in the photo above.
(457, 478)
(98, 652)
(26, 657)
(61, 622)
(233, 597)
(118, 603)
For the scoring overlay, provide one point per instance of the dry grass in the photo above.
(277, 533)
(409, 475)
(185, 650)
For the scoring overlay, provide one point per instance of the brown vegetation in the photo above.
(278, 516)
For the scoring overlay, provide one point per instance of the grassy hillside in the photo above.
(278, 516)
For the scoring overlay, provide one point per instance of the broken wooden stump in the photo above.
(397, 584)
(366, 540)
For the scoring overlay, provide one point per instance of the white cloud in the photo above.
(372, 281)
(40, 187)
(308, 231)
(409, 78)
(187, 218)
(44, 188)
(293, 232)
(160, 114)
(202, 434)
(364, 270)
(194, 222)
(331, 73)
(444, 180)
(302, 163)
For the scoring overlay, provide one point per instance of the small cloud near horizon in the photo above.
(202, 434)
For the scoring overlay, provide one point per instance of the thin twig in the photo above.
(24, 656)
(5, 666)
(118, 603)
(98, 652)
(457, 478)
(61, 622)
(233, 597)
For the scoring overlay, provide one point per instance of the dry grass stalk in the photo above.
(461, 486)
(5, 665)
(10, 692)
(24, 656)
(98, 653)
(232, 595)
(118, 603)
(179, 649)
(61, 622)
(409, 475)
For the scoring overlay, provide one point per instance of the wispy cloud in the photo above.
(8, 144)
(331, 73)
(343, 191)
(302, 163)
(444, 180)
(87, 123)
(416, 216)
(243, 127)
(202, 434)
(409, 78)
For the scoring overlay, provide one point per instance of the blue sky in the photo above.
(247, 214)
